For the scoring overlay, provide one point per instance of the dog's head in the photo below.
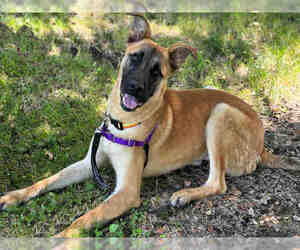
(146, 65)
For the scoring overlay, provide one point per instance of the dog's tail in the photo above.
(275, 161)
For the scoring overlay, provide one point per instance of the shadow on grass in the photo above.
(47, 115)
(49, 108)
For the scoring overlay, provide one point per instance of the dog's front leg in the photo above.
(129, 168)
(75, 173)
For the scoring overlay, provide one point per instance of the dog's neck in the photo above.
(143, 113)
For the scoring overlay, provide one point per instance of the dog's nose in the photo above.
(133, 86)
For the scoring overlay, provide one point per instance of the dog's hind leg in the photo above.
(232, 148)
(74, 173)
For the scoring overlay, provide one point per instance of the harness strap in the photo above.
(125, 142)
(146, 149)
(103, 131)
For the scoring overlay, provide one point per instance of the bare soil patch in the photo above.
(265, 203)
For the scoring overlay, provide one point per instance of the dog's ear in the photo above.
(178, 54)
(139, 29)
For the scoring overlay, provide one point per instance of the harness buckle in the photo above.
(131, 142)
(106, 120)
(98, 130)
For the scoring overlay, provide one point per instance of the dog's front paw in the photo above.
(9, 199)
(68, 233)
(180, 198)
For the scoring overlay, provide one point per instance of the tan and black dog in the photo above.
(186, 126)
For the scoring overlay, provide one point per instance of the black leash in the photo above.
(146, 149)
(103, 131)
(97, 177)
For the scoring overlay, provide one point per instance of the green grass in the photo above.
(51, 102)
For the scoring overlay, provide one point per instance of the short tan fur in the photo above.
(190, 124)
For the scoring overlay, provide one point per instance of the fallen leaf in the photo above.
(210, 229)
(268, 219)
(160, 230)
(187, 183)
(49, 155)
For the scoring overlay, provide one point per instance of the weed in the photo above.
(51, 99)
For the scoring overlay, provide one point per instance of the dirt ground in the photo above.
(265, 203)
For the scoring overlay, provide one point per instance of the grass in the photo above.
(51, 100)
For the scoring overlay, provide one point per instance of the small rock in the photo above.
(271, 219)
(242, 71)
(296, 218)
(165, 195)
(49, 155)
(251, 211)
(264, 200)
(187, 183)
(160, 230)
(236, 192)
(254, 222)
(210, 87)
(210, 228)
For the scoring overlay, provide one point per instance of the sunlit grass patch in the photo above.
(51, 99)
(165, 30)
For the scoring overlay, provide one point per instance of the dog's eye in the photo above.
(155, 71)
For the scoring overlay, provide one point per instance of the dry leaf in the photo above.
(49, 155)
(187, 183)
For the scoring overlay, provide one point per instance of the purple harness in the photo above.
(103, 131)
(125, 142)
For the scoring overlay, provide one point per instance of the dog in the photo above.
(150, 130)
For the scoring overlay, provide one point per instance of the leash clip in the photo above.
(98, 130)
(106, 120)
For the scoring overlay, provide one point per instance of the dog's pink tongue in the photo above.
(129, 101)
